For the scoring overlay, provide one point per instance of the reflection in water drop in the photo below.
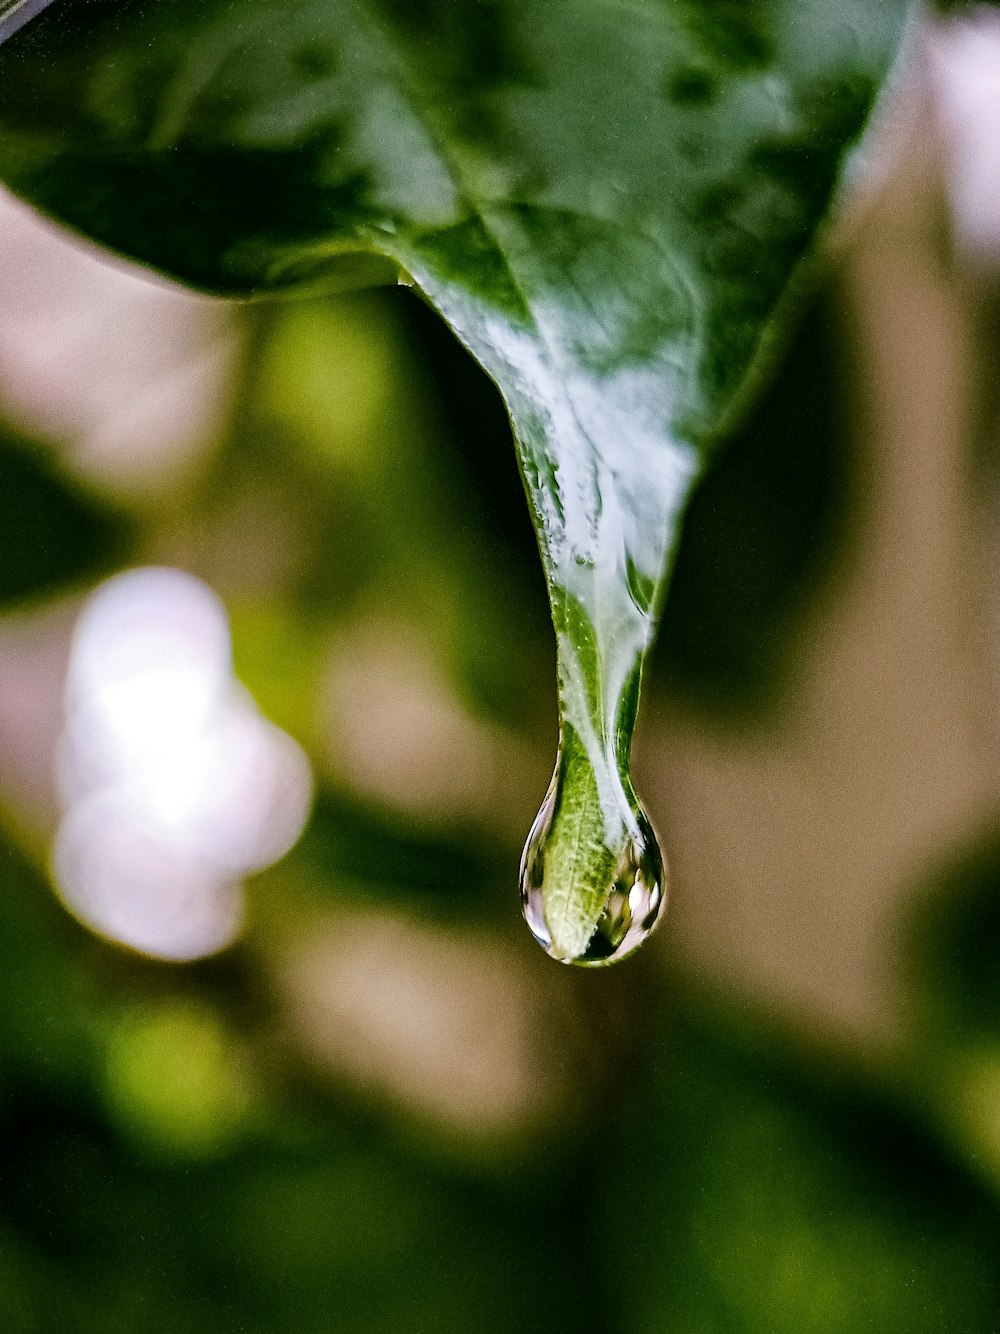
(629, 879)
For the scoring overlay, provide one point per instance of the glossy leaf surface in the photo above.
(604, 200)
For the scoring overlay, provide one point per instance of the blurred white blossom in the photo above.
(965, 67)
(174, 786)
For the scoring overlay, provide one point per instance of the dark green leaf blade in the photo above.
(605, 199)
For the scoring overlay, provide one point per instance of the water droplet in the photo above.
(628, 883)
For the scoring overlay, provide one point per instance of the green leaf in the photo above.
(604, 200)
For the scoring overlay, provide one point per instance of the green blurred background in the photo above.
(364, 1100)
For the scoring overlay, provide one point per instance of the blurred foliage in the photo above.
(51, 532)
(953, 936)
(773, 1196)
(761, 533)
(308, 1221)
(751, 1187)
(955, 941)
(350, 848)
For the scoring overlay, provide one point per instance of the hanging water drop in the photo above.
(593, 883)
(571, 857)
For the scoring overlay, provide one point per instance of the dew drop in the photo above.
(628, 883)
